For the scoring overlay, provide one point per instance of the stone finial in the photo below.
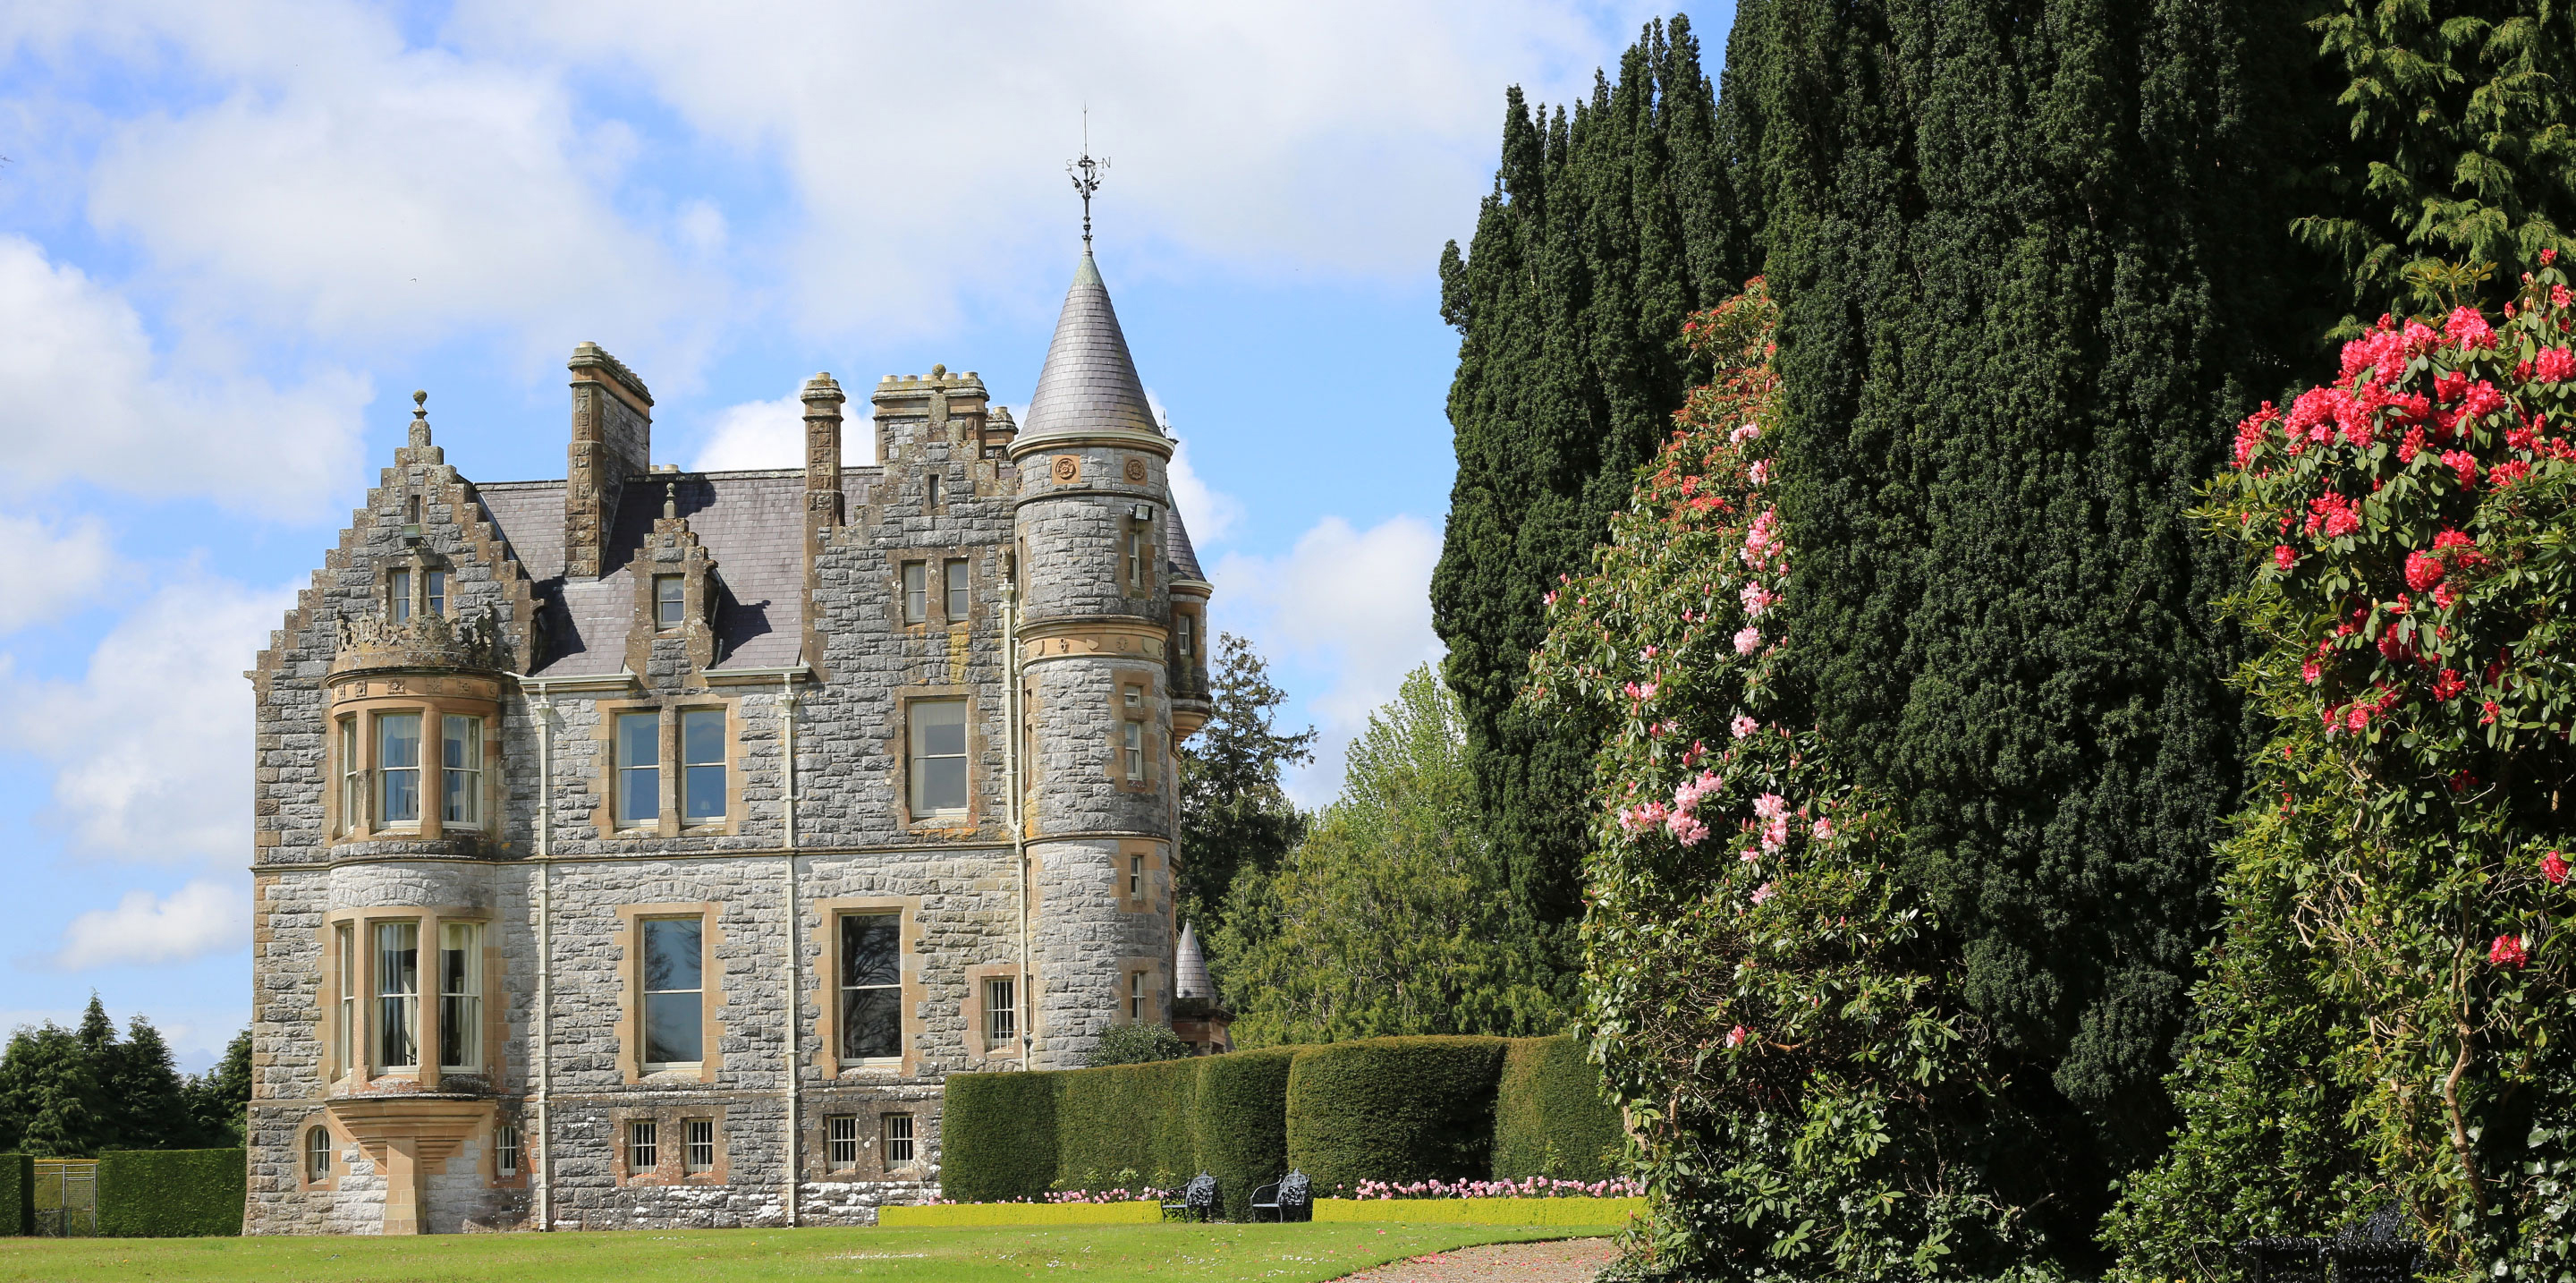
(419, 419)
(671, 501)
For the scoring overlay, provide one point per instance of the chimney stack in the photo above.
(612, 439)
(824, 503)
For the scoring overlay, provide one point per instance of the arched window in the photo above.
(317, 1154)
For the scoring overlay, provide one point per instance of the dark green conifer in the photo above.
(1606, 227)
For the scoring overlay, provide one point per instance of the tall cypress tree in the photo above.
(2033, 256)
(1606, 227)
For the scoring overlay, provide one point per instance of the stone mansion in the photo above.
(645, 847)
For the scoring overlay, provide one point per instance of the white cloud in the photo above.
(1209, 513)
(1354, 604)
(51, 570)
(1349, 136)
(771, 434)
(204, 917)
(84, 396)
(151, 749)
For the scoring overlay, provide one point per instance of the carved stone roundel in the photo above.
(1136, 472)
(1068, 469)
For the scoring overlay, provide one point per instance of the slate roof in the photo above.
(751, 524)
(1189, 967)
(1089, 384)
(1185, 556)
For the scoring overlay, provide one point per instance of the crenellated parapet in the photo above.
(422, 643)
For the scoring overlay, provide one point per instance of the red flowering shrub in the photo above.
(1809, 1098)
(2406, 885)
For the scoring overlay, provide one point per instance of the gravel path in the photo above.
(1573, 1260)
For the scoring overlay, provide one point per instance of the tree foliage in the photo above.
(2413, 534)
(78, 1092)
(1391, 917)
(1234, 814)
(2460, 157)
(1606, 227)
(1809, 1093)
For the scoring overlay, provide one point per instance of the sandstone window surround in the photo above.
(938, 744)
(870, 1002)
(415, 756)
(418, 582)
(1139, 868)
(410, 996)
(318, 1146)
(669, 768)
(670, 1001)
(932, 588)
(1140, 993)
(990, 1011)
(671, 1145)
(1137, 743)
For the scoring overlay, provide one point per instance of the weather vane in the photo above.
(1086, 177)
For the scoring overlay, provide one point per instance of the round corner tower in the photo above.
(1096, 536)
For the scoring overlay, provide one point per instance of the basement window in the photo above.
(898, 1139)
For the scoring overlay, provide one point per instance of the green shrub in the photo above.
(1136, 1045)
(1242, 1123)
(1393, 1109)
(17, 1194)
(171, 1193)
(1125, 1125)
(1549, 1117)
(997, 1137)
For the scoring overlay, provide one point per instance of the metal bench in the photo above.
(1290, 1198)
(1197, 1202)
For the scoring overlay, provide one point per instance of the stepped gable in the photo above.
(749, 523)
(1089, 385)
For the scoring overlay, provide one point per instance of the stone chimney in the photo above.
(825, 506)
(612, 440)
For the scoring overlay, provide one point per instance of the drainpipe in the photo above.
(790, 1037)
(1019, 828)
(544, 1054)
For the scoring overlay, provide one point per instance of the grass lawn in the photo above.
(1196, 1253)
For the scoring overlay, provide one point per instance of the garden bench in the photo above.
(1197, 1202)
(1290, 1198)
(2382, 1249)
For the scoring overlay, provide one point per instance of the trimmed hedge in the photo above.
(997, 1137)
(1549, 1117)
(1394, 1109)
(17, 1194)
(172, 1193)
(1126, 1118)
(1242, 1125)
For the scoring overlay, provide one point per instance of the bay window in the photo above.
(353, 779)
(398, 768)
(460, 996)
(344, 954)
(461, 770)
(397, 995)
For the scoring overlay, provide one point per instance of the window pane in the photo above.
(871, 953)
(943, 784)
(956, 608)
(639, 774)
(898, 1139)
(462, 779)
(673, 958)
(398, 596)
(460, 988)
(702, 737)
(434, 587)
(916, 591)
(871, 1024)
(938, 755)
(668, 598)
(702, 746)
(398, 760)
(397, 993)
(673, 1031)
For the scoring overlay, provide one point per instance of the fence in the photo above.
(67, 1197)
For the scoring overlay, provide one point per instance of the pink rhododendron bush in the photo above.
(2388, 1014)
(1808, 1093)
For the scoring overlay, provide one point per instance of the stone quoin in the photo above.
(644, 848)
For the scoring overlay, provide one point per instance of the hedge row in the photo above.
(171, 1193)
(1394, 1109)
(17, 1195)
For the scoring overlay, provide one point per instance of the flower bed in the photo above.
(1533, 1187)
(950, 1215)
(1608, 1213)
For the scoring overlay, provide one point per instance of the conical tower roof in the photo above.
(1189, 967)
(1089, 387)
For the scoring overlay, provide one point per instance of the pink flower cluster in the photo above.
(1772, 810)
(1762, 541)
(1141, 1194)
(1756, 600)
(1532, 1187)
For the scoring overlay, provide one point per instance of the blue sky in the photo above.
(234, 237)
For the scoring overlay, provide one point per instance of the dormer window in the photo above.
(411, 518)
(668, 600)
(398, 596)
